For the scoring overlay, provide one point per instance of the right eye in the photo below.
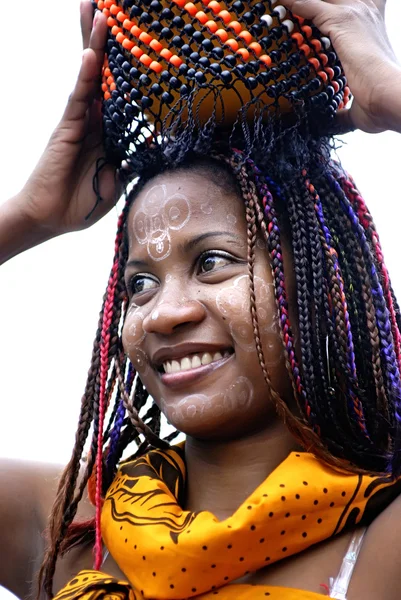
(141, 283)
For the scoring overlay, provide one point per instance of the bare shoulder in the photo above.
(27, 490)
(378, 568)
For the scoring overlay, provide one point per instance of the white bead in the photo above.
(267, 19)
(280, 11)
(289, 25)
(273, 2)
(326, 42)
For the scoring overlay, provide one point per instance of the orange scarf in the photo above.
(168, 553)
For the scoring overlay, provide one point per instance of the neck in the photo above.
(222, 474)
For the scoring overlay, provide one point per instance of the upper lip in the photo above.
(180, 350)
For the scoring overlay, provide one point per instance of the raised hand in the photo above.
(59, 194)
(358, 33)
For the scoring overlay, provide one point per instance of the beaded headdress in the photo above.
(206, 63)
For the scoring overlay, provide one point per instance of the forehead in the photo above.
(187, 198)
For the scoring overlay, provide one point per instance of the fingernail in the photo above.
(95, 19)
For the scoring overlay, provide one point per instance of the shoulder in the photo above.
(378, 568)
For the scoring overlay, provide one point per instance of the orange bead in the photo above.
(106, 12)
(315, 63)
(235, 26)
(243, 52)
(107, 95)
(317, 45)
(323, 76)
(137, 52)
(100, 5)
(307, 30)
(323, 59)
(113, 87)
(225, 16)
(233, 44)
(212, 26)
(201, 16)
(156, 45)
(330, 72)
(108, 3)
(222, 34)
(111, 22)
(305, 49)
(145, 38)
(214, 6)
(145, 59)
(266, 60)
(136, 31)
(107, 72)
(191, 8)
(120, 37)
(341, 105)
(336, 86)
(299, 38)
(128, 25)
(121, 16)
(165, 53)
(110, 80)
(180, 3)
(116, 30)
(128, 45)
(246, 36)
(301, 20)
(175, 61)
(104, 87)
(257, 48)
(114, 9)
(155, 66)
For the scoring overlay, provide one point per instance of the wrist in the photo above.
(386, 102)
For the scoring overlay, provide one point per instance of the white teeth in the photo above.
(194, 361)
(186, 364)
(175, 366)
(206, 358)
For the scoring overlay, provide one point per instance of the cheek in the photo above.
(133, 336)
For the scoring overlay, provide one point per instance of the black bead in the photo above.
(177, 41)
(286, 66)
(186, 50)
(295, 59)
(165, 76)
(156, 26)
(156, 89)
(330, 91)
(275, 73)
(259, 8)
(332, 57)
(218, 52)
(275, 55)
(207, 45)
(175, 83)
(167, 14)
(287, 45)
(126, 87)
(337, 71)
(266, 41)
(226, 77)
(184, 90)
(189, 29)
(277, 32)
(134, 73)
(166, 33)
(131, 111)
(191, 73)
(120, 59)
(144, 80)
(204, 62)
(156, 6)
(295, 79)
(198, 37)
(251, 83)
(121, 103)
(265, 77)
(114, 52)
(241, 70)
(145, 18)
(178, 22)
(146, 102)
(167, 98)
(253, 66)
(271, 91)
(238, 6)
(126, 67)
(256, 30)
(230, 60)
(135, 11)
(135, 94)
(216, 68)
(194, 56)
(200, 77)
(183, 69)
(248, 17)
(120, 81)
(117, 118)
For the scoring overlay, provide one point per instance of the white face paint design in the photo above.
(234, 304)
(231, 219)
(195, 406)
(206, 209)
(161, 213)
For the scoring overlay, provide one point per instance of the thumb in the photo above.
(317, 11)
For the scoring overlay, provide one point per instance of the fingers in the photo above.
(85, 88)
(86, 10)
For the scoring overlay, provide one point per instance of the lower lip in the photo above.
(183, 377)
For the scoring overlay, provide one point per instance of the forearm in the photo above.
(388, 106)
(17, 232)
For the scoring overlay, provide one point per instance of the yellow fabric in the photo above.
(170, 553)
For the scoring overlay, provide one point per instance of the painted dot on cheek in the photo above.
(155, 315)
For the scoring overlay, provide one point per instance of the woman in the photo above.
(201, 330)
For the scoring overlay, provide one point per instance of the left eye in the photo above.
(212, 261)
(141, 283)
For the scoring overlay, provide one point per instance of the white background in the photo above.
(50, 296)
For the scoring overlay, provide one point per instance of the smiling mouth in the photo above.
(194, 361)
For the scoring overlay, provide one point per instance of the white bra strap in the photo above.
(339, 587)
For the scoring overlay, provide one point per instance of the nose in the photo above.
(168, 317)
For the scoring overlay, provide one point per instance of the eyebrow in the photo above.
(188, 245)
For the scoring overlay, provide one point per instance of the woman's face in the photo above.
(188, 330)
